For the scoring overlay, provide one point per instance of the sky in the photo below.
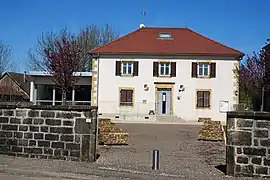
(240, 24)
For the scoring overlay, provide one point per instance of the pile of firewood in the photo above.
(211, 131)
(109, 134)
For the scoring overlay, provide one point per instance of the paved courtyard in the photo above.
(181, 157)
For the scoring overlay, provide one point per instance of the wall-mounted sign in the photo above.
(223, 106)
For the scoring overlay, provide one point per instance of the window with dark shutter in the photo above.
(194, 70)
(118, 68)
(135, 68)
(155, 69)
(203, 99)
(173, 69)
(212, 70)
(126, 97)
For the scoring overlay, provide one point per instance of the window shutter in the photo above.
(206, 99)
(155, 69)
(194, 70)
(123, 96)
(118, 68)
(129, 96)
(212, 70)
(199, 98)
(135, 68)
(173, 69)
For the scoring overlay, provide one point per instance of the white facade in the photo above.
(222, 88)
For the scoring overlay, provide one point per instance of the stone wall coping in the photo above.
(256, 115)
(48, 107)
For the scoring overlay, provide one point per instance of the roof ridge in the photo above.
(216, 42)
(116, 40)
(14, 79)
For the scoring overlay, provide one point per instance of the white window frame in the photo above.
(160, 67)
(127, 64)
(204, 65)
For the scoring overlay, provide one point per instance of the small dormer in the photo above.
(165, 35)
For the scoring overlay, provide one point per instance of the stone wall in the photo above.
(66, 133)
(248, 144)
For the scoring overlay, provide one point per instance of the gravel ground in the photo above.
(181, 155)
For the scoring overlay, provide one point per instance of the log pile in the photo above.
(211, 131)
(109, 134)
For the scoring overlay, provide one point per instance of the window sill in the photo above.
(203, 77)
(203, 108)
(127, 75)
(164, 76)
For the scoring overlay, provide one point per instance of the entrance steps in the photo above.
(169, 119)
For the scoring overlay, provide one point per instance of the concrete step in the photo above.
(169, 118)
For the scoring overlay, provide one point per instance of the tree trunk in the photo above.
(262, 100)
(64, 98)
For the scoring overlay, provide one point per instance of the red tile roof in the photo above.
(183, 42)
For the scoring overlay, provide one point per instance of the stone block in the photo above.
(20, 113)
(27, 121)
(3, 141)
(12, 142)
(82, 127)
(242, 159)
(265, 142)
(33, 150)
(38, 121)
(32, 143)
(15, 120)
(58, 145)
(57, 152)
(48, 151)
(33, 113)
(34, 128)
(266, 162)
(18, 135)
(53, 122)
(254, 151)
(68, 138)
(263, 124)
(52, 137)
(9, 127)
(239, 151)
(23, 128)
(44, 143)
(44, 129)
(256, 142)
(3, 119)
(5, 134)
(47, 114)
(68, 123)
(8, 113)
(75, 153)
(65, 115)
(23, 142)
(61, 130)
(243, 123)
(239, 138)
(261, 133)
(16, 149)
(73, 146)
(248, 169)
(38, 136)
(261, 170)
(28, 135)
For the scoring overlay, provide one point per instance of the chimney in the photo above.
(142, 25)
(24, 77)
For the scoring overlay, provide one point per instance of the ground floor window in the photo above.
(203, 99)
(126, 97)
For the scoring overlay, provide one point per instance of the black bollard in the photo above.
(155, 160)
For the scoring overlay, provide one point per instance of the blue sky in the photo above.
(241, 24)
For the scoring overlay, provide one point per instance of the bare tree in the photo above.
(88, 38)
(62, 60)
(5, 58)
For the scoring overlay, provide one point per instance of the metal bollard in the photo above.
(155, 160)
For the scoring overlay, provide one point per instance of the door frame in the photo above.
(164, 85)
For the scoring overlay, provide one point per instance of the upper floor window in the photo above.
(167, 69)
(127, 68)
(164, 69)
(203, 70)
